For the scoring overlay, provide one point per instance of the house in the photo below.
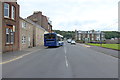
(45, 23)
(31, 34)
(41, 20)
(38, 34)
(1, 27)
(49, 25)
(26, 34)
(9, 26)
(91, 35)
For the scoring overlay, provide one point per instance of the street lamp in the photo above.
(101, 38)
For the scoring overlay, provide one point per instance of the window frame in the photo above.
(11, 35)
(8, 9)
(24, 24)
(13, 12)
(7, 33)
(24, 39)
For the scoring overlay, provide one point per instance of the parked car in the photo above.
(69, 40)
(73, 42)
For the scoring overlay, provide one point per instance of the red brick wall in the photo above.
(9, 21)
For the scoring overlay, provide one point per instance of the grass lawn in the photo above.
(112, 46)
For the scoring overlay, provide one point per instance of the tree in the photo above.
(111, 34)
(66, 34)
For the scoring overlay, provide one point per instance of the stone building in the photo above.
(9, 26)
(41, 20)
(26, 34)
(38, 34)
(31, 34)
(91, 35)
(45, 23)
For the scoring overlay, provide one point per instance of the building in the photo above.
(9, 26)
(31, 34)
(1, 26)
(26, 34)
(38, 34)
(36, 18)
(41, 20)
(49, 25)
(91, 35)
(45, 23)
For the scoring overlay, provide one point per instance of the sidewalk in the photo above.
(107, 51)
(11, 55)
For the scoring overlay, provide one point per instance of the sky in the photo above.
(70, 15)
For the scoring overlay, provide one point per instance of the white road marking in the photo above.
(66, 60)
(65, 50)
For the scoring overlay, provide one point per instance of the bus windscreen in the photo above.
(49, 36)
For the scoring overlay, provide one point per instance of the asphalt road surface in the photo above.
(68, 61)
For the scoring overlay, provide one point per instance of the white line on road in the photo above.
(65, 50)
(66, 60)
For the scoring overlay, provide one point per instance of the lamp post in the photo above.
(101, 38)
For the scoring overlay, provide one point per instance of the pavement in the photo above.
(68, 61)
(16, 54)
(107, 51)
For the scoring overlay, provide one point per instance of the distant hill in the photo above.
(71, 34)
(66, 34)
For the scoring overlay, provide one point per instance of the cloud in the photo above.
(74, 14)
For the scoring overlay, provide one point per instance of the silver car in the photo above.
(73, 42)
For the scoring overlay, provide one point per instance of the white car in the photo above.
(73, 42)
(69, 40)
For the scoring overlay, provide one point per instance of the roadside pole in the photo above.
(101, 38)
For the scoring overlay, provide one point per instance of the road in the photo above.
(69, 61)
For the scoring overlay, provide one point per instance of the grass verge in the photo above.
(111, 46)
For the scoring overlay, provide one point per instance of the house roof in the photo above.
(36, 25)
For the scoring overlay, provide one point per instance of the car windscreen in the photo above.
(49, 36)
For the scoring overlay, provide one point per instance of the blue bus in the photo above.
(53, 39)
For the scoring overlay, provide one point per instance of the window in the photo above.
(23, 39)
(12, 37)
(9, 36)
(13, 12)
(23, 24)
(6, 10)
(49, 36)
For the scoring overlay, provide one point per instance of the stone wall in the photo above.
(28, 33)
(39, 36)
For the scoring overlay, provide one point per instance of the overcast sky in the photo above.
(75, 14)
